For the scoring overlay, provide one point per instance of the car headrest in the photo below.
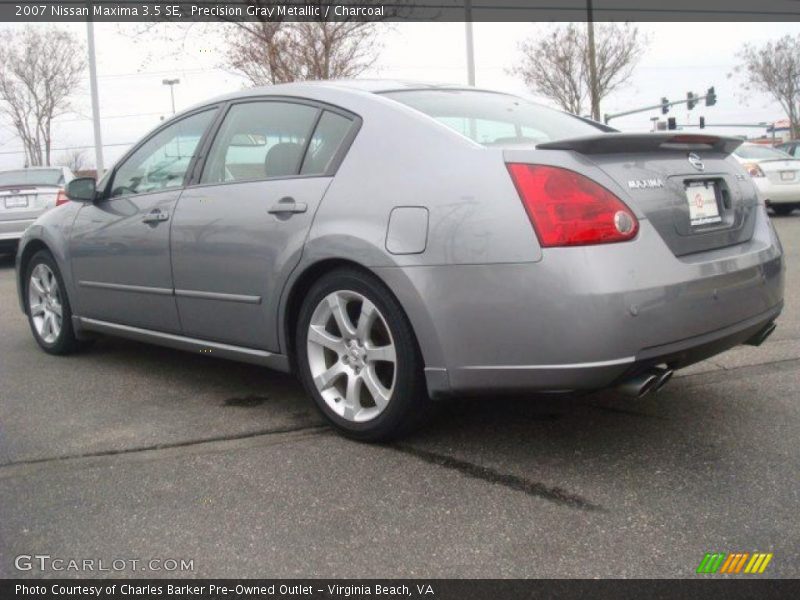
(282, 159)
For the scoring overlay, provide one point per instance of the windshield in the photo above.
(495, 119)
(32, 177)
(761, 153)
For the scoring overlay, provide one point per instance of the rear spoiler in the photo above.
(611, 143)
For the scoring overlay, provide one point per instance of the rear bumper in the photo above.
(775, 193)
(584, 317)
(675, 355)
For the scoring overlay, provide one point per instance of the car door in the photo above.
(240, 231)
(120, 244)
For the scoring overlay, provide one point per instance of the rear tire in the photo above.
(47, 305)
(782, 209)
(358, 359)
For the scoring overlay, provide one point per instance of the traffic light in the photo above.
(702, 122)
(671, 123)
(664, 106)
(711, 97)
(691, 102)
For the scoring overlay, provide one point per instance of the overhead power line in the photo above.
(70, 148)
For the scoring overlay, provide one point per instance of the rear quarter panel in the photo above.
(403, 158)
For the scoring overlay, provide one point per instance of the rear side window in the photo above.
(325, 143)
(495, 119)
(260, 140)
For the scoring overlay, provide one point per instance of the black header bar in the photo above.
(399, 10)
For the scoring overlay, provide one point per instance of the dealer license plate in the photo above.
(703, 207)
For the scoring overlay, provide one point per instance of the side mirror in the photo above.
(82, 189)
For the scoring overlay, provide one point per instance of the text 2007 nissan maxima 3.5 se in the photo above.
(393, 242)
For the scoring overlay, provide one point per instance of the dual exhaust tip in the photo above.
(654, 378)
(651, 380)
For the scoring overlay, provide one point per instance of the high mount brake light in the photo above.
(568, 209)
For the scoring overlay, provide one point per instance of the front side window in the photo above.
(161, 162)
(260, 140)
(493, 119)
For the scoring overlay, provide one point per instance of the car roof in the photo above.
(355, 86)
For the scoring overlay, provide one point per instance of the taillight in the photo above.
(61, 198)
(568, 209)
(754, 170)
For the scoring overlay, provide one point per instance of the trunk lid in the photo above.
(25, 201)
(781, 171)
(693, 195)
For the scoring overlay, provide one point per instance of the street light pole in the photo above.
(470, 45)
(171, 83)
(593, 91)
(98, 138)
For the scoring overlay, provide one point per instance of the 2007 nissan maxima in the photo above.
(393, 242)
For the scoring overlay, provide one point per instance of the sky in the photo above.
(679, 57)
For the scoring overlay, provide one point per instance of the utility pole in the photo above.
(171, 83)
(98, 137)
(593, 91)
(470, 45)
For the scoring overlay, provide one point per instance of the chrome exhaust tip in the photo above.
(638, 385)
(663, 378)
(760, 337)
(644, 383)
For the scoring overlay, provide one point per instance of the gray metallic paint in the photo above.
(490, 308)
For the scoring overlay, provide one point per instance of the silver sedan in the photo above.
(393, 243)
(24, 195)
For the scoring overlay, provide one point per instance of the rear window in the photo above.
(760, 153)
(495, 119)
(32, 177)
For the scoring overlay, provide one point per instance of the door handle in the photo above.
(155, 216)
(287, 205)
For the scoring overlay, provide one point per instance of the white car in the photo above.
(775, 174)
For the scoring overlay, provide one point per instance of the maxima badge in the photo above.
(645, 184)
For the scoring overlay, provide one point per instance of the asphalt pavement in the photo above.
(133, 452)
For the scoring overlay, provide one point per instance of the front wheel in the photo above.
(358, 357)
(47, 305)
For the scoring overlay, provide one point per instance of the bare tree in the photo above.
(557, 65)
(75, 160)
(39, 70)
(553, 67)
(280, 51)
(273, 49)
(774, 68)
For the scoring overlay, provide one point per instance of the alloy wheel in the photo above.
(44, 303)
(352, 356)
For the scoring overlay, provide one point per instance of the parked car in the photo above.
(393, 242)
(792, 148)
(24, 195)
(775, 174)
